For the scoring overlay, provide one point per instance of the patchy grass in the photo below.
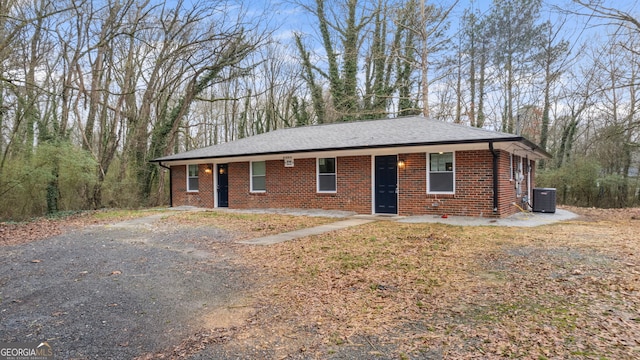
(558, 291)
(248, 226)
(116, 215)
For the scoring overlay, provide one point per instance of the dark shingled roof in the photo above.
(404, 131)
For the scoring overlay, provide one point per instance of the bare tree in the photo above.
(514, 33)
(432, 24)
(220, 54)
(344, 20)
(554, 60)
(612, 16)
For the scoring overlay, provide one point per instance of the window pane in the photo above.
(258, 168)
(441, 162)
(193, 184)
(327, 183)
(327, 165)
(192, 177)
(435, 162)
(259, 183)
(441, 182)
(193, 170)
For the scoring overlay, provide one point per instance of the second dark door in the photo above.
(386, 178)
(223, 185)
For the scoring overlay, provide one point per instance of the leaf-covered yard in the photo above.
(394, 290)
(567, 290)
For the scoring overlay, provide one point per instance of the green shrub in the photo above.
(56, 177)
(581, 183)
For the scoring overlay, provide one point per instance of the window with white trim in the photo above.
(258, 176)
(326, 171)
(441, 173)
(192, 177)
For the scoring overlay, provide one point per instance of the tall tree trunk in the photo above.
(544, 131)
(458, 115)
(481, 86)
(317, 97)
(424, 60)
(509, 91)
(335, 82)
(627, 155)
(348, 104)
(97, 70)
(472, 74)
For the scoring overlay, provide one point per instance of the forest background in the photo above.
(91, 90)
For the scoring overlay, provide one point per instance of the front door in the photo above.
(223, 185)
(386, 178)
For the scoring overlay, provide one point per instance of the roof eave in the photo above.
(536, 148)
(528, 143)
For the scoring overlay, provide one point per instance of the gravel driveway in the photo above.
(119, 291)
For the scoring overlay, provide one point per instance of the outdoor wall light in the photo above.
(208, 169)
(222, 170)
(401, 164)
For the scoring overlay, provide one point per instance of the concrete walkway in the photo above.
(523, 219)
(278, 238)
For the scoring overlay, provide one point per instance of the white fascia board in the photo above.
(519, 149)
(511, 146)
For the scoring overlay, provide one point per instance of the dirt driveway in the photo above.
(120, 291)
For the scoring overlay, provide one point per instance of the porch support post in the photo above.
(495, 177)
(170, 184)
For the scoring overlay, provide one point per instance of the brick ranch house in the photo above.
(403, 166)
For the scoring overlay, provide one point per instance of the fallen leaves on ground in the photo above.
(42, 228)
(193, 344)
(557, 291)
(568, 290)
(247, 226)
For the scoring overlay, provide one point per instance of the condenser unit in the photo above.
(544, 200)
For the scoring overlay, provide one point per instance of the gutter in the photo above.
(495, 176)
(170, 183)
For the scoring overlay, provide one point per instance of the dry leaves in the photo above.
(20, 233)
(248, 226)
(42, 228)
(567, 290)
(558, 291)
(193, 344)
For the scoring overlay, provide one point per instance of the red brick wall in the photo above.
(506, 184)
(201, 198)
(473, 189)
(295, 187)
(508, 193)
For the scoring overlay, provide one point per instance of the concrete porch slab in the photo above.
(524, 219)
